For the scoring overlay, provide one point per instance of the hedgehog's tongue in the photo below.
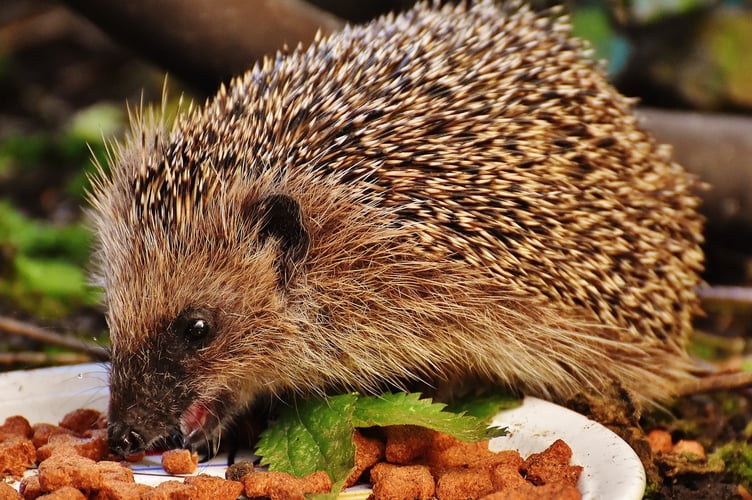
(193, 424)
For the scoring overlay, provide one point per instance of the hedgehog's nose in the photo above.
(124, 440)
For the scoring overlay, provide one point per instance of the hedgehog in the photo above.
(446, 197)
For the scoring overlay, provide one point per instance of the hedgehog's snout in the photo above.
(124, 440)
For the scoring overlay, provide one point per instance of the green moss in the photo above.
(737, 457)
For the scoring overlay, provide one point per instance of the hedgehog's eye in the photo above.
(194, 326)
(196, 329)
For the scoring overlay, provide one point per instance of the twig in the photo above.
(739, 295)
(14, 326)
(43, 358)
(716, 382)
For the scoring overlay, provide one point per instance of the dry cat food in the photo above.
(420, 463)
(179, 462)
(402, 462)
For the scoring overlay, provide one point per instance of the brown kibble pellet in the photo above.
(64, 493)
(691, 447)
(660, 441)
(528, 491)
(179, 461)
(30, 488)
(43, 432)
(283, 486)
(236, 471)
(274, 485)
(317, 482)
(115, 471)
(455, 453)
(16, 425)
(81, 420)
(102, 422)
(8, 492)
(67, 470)
(170, 490)
(368, 451)
(552, 465)
(405, 443)
(505, 474)
(94, 447)
(17, 454)
(122, 490)
(215, 488)
(398, 482)
(460, 482)
(508, 458)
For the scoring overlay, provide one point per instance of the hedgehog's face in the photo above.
(197, 336)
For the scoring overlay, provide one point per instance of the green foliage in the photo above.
(402, 408)
(37, 239)
(593, 23)
(71, 147)
(41, 265)
(85, 137)
(25, 150)
(317, 434)
(729, 37)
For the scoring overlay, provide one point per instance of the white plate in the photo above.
(611, 469)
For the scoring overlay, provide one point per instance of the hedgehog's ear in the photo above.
(280, 217)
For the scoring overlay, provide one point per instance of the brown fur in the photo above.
(476, 201)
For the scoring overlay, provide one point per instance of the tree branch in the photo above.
(718, 149)
(205, 42)
(13, 326)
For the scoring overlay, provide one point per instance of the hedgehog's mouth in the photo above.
(199, 425)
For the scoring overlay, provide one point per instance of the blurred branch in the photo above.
(13, 326)
(716, 382)
(718, 149)
(43, 358)
(738, 295)
(205, 42)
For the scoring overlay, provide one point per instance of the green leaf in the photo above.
(39, 239)
(485, 406)
(310, 436)
(317, 434)
(42, 265)
(90, 124)
(409, 409)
